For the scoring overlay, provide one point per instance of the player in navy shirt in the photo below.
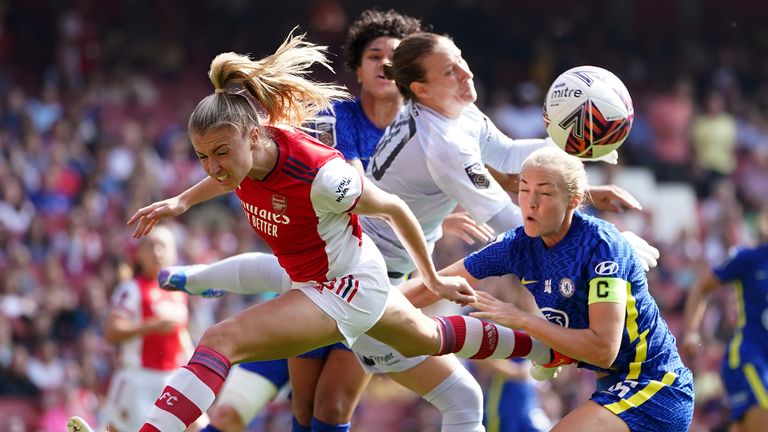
(745, 364)
(358, 137)
(592, 289)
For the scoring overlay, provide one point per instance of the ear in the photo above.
(420, 90)
(254, 136)
(357, 74)
(574, 201)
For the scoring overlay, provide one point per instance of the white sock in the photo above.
(460, 399)
(248, 273)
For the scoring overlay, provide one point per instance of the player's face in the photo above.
(370, 73)
(156, 251)
(544, 204)
(449, 87)
(225, 154)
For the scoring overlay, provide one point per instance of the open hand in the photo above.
(453, 288)
(613, 198)
(461, 225)
(147, 217)
(491, 308)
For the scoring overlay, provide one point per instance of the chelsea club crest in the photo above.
(566, 287)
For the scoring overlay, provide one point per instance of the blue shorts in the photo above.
(647, 404)
(273, 370)
(745, 385)
(321, 353)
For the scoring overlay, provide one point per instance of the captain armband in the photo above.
(607, 290)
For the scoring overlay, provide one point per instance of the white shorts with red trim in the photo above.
(378, 357)
(132, 392)
(357, 300)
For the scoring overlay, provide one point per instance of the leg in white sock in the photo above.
(247, 273)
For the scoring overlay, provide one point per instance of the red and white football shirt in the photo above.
(140, 299)
(302, 208)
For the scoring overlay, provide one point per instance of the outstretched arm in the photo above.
(612, 198)
(420, 296)
(375, 202)
(147, 217)
(598, 344)
(695, 306)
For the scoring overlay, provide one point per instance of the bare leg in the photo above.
(591, 417)
(755, 419)
(257, 333)
(270, 330)
(412, 333)
(427, 375)
(340, 388)
(304, 372)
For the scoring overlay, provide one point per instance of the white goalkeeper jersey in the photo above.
(433, 162)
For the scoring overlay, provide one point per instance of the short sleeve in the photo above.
(346, 134)
(613, 258)
(323, 128)
(494, 259)
(336, 188)
(458, 170)
(732, 268)
(126, 300)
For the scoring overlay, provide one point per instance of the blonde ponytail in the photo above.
(277, 83)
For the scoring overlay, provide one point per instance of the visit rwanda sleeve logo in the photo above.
(343, 188)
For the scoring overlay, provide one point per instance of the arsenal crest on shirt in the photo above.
(279, 204)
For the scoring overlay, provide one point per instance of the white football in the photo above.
(588, 112)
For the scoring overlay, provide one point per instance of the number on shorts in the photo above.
(623, 387)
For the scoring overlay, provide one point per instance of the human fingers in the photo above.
(144, 226)
(481, 232)
(143, 212)
(487, 230)
(482, 315)
(625, 199)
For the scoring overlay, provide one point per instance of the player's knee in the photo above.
(460, 400)
(222, 338)
(334, 410)
(302, 410)
(226, 418)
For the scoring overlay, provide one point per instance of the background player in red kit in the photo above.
(150, 326)
(298, 194)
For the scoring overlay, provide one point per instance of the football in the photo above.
(588, 112)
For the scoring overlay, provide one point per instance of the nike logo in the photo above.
(527, 282)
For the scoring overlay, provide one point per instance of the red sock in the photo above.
(473, 338)
(189, 393)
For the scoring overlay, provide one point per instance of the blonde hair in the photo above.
(570, 168)
(277, 83)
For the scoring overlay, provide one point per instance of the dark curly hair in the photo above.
(372, 24)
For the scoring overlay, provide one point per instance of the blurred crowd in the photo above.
(93, 108)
